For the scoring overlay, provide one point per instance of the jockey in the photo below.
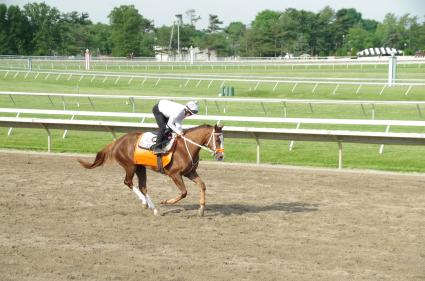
(171, 114)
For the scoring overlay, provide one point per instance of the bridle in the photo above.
(213, 151)
(216, 150)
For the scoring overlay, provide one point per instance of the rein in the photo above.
(197, 144)
(216, 150)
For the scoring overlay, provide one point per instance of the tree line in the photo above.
(39, 29)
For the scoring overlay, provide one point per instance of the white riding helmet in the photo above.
(192, 107)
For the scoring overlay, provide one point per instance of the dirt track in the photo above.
(60, 222)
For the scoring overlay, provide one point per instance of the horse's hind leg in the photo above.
(129, 175)
(142, 191)
(197, 179)
(129, 169)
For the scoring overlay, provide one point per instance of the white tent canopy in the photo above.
(383, 51)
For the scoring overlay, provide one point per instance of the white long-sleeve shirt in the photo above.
(175, 112)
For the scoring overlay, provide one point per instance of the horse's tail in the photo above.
(101, 157)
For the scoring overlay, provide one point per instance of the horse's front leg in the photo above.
(197, 179)
(178, 180)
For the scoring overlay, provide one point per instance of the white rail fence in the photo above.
(220, 63)
(338, 136)
(220, 103)
(255, 81)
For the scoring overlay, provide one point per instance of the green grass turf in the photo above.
(397, 158)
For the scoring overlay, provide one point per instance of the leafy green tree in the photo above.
(193, 18)
(75, 33)
(44, 25)
(235, 33)
(344, 20)
(214, 39)
(214, 24)
(265, 33)
(43, 30)
(19, 31)
(163, 35)
(4, 30)
(128, 28)
(415, 40)
(325, 31)
(369, 25)
(100, 39)
(357, 39)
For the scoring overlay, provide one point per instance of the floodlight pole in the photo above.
(179, 22)
(178, 39)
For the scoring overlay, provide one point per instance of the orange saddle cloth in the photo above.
(145, 157)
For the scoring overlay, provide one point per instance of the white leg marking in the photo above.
(140, 195)
(151, 205)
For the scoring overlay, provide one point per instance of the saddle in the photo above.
(144, 155)
(148, 141)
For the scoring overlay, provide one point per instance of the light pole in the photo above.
(179, 18)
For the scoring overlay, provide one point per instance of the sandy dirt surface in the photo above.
(62, 222)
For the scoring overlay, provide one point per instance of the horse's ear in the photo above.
(218, 126)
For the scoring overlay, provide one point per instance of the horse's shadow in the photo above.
(240, 209)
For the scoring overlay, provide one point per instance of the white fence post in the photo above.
(314, 88)
(392, 69)
(49, 138)
(291, 144)
(381, 149)
(257, 140)
(419, 110)
(293, 88)
(11, 128)
(340, 155)
(408, 90)
(87, 59)
(66, 131)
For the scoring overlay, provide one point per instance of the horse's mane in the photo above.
(197, 127)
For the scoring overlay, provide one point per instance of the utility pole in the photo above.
(179, 18)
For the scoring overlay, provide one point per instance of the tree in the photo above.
(193, 18)
(128, 28)
(265, 33)
(235, 33)
(415, 39)
(44, 26)
(325, 31)
(344, 20)
(163, 35)
(4, 30)
(357, 39)
(100, 39)
(75, 33)
(386, 33)
(214, 24)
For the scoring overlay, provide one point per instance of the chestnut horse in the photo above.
(184, 162)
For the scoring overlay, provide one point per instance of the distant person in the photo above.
(171, 114)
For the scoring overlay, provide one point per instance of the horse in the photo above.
(184, 162)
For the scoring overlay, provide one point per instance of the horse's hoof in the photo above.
(201, 211)
(155, 212)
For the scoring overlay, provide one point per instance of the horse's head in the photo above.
(216, 142)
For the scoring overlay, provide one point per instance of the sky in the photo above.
(162, 11)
